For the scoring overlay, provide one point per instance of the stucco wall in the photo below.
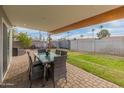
(2, 16)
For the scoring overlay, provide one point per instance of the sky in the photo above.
(35, 34)
(115, 28)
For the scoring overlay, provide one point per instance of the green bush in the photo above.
(26, 42)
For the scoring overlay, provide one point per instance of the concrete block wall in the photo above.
(112, 45)
(61, 44)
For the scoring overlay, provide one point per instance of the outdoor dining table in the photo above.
(42, 57)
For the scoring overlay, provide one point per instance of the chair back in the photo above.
(59, 67)
(64, 53)
(58, 52)
(30, 63)
(33, 73)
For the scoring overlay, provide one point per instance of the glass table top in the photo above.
(46, 59)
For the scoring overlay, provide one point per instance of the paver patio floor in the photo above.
(17, 76)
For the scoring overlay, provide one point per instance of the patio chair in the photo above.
(35, 70)
(58, 68)
(64, 53)
(58, 52)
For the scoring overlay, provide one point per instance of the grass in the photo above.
(108, 67)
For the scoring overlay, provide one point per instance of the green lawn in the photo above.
(108, 67)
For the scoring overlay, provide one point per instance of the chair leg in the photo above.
(54, 84)
(30, 82)
(66, 79)
(30, 85)
(47, 75)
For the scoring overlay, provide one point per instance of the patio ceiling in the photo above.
(52, 18)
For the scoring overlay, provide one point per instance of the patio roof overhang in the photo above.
(55, 19)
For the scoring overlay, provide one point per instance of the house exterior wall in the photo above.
(2, 17)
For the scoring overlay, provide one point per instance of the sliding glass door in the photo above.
(5, 48)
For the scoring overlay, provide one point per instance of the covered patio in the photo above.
(54, 19)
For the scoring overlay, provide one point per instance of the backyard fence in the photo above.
(62, 44)
(111, 45)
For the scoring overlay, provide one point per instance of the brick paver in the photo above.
(76, 78)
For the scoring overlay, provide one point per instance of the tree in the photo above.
(101, 26)
(62, 39)
(93, 30)
(49, 39)
(103, 33)
(26, 42)
(81, 36)
(75, 39)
